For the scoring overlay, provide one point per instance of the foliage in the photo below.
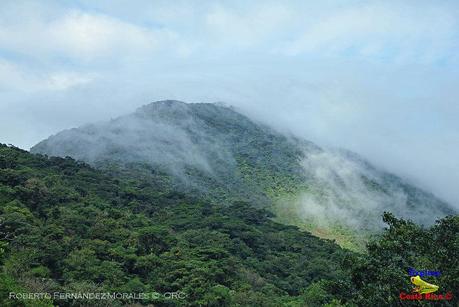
(67, 227)
(377, 278)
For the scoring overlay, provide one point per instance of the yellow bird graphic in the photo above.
(422, 286)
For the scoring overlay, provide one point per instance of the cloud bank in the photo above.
(375, 77)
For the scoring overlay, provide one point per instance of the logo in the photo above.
(422, 287)
(423, 290)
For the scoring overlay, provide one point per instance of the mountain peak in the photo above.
(164, 103)
(164, 107)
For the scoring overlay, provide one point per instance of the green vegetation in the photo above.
(378, 277)
(66, 227)
(288, 211)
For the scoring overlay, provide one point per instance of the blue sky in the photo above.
(376, 77)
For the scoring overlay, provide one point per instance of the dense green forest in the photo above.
(69, 228)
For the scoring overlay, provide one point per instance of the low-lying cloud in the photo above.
(343, 189)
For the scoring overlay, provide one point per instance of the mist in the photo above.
(343, 189)
(164, 134)
(376, 78)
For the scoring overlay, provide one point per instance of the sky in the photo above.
(376, 77)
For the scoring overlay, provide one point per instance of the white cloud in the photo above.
(247, 28)
(65, 80)
(13, 77)
(82, 36)
(85, 35)
(424, 32)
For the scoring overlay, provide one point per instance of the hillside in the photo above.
(221, 155)
(66, 227)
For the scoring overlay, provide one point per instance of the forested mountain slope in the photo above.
(216, 153)
(66, 227)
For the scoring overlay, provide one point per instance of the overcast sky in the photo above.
(377, 77)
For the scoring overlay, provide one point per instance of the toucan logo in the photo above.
(422, 286)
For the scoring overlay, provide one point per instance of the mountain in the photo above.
(216, 153)
(205, 147)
